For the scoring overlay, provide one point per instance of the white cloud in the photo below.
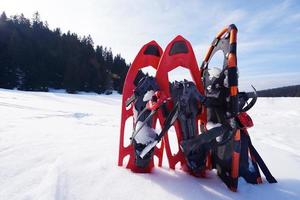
(267, 16)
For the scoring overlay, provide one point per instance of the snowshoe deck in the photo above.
(232, 158)
(149, 55)
(178, 53)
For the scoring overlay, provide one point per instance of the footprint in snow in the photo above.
(80, 115)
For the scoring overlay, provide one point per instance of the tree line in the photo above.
(35, 58)
(289, 91)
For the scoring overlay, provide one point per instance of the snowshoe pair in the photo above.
(212, 98)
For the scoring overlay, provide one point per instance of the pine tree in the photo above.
(33, 57)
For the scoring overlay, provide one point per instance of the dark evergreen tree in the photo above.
(119, 71)
(7, 70)
(33, 57)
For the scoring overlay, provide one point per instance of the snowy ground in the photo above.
(62, 146)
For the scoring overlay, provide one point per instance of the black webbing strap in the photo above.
(130, 100)
(251, 176)
(261, 163)
(144, 122)
(145, 84)
(173, 114)
(141, 114)
(186, 95)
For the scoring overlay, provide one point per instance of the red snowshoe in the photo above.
(178, 53)
(149, 55)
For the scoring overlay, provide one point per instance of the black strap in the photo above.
(131, 99)
(169, 121)
(144, 122)
(261, 163)
(167, 124)
(249, 175)
(141, 113)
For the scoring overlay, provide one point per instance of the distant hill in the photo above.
(289, 91)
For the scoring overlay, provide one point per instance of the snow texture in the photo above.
(57, 146)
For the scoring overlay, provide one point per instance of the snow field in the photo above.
(62, 146)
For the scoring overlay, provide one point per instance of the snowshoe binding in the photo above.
(132, 104)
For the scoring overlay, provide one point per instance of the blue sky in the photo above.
(268, 37)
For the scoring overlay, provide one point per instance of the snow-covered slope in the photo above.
(61, 146)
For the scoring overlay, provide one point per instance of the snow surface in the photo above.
(62, 146)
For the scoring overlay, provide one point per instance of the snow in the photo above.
(62, 146)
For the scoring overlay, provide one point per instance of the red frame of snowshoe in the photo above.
(141, 60)
(167, 63)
